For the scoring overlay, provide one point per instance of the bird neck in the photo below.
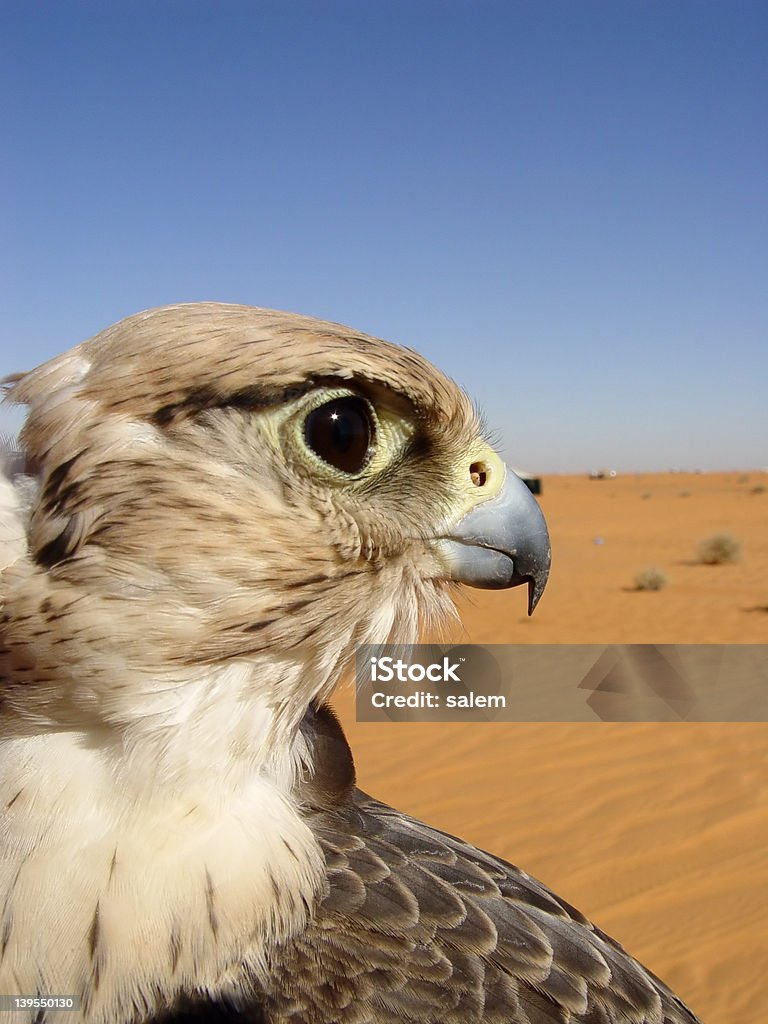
(152, 841)
(162, 854)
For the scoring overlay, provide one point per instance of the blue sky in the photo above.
(563, 204)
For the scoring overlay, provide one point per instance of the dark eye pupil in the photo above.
(341, 433)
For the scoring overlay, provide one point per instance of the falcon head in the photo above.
(227, 494)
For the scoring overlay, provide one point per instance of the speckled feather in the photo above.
(416, 925)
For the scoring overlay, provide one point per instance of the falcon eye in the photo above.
(341, 433)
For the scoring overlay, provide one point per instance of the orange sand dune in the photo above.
(658, 831)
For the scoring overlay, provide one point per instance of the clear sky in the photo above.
(563, 204)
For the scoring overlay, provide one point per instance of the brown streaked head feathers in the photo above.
(180, 522)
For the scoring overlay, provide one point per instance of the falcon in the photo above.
(211, 507)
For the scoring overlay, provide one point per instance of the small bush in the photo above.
(650, 579)
(759, 489)
(719, 549)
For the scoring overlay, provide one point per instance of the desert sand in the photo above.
(658, 831)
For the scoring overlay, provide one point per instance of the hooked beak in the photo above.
(501, 543)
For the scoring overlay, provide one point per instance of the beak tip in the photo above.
(535, 590)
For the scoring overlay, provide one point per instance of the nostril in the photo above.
(479, 473)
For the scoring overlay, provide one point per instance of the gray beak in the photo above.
(501, 543)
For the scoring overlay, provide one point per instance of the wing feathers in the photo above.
(417, 926)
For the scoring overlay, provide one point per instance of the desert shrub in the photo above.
(759, 489)
(719, 549)
(645, 495)
(650, 579)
